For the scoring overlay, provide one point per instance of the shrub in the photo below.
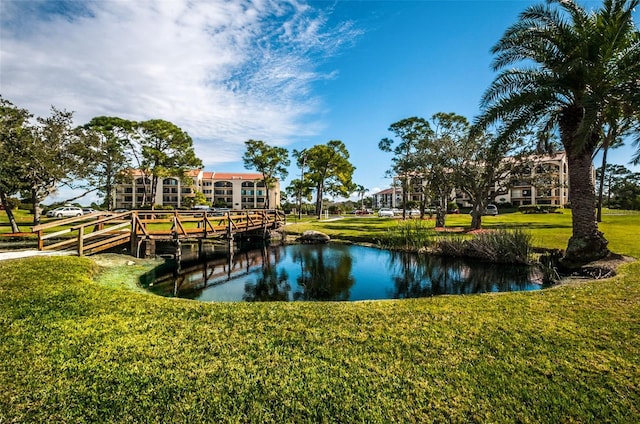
(539, 208)
(502, 246)
(409, 235)
(451, 245)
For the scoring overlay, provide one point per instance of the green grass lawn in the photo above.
(77, 346)
(548, 230)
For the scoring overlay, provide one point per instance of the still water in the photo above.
(332, 273)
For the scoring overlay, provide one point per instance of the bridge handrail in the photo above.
(228, 223)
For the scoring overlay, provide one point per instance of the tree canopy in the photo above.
(270, 161)
(329, 170)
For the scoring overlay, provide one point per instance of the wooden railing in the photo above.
(100, 231)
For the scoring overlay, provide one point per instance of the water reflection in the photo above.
(422, 276)
(271, 285)
(323, 278)
(333, 272)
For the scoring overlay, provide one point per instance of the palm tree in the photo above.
(576, 64)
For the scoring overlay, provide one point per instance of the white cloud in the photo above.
(223, 71)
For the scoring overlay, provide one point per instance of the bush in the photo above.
(539, 208)
(409, 235)
(502, 246)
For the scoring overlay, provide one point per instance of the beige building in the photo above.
(234, 190)
(546, 182)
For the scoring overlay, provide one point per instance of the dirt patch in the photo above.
(603, 268)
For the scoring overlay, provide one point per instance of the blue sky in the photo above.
(289, 73)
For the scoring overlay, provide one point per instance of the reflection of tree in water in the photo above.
(323, 278)
(423, 275)
(271, 285)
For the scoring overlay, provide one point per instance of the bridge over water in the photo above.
(140, 230)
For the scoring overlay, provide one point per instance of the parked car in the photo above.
(220, 211)
(87, 211)
(120, 210)
(385, 212)
(201, 208)
(491, 210)
(363, 212)
(65, 211)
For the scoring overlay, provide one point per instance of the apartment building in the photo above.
(234, 190)
(387, 198)
(544, 182)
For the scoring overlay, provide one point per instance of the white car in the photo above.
(385, 212)
(65, 211)
(491, 210)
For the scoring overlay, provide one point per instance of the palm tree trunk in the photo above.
(587, 243)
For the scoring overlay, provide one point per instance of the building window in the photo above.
(143, 181)
(223, 184)
(128, 198)
(170, 181)
(128, 190)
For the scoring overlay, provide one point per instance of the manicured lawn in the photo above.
(548, 230)
(78, 348)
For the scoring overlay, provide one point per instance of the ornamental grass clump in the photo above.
(412, 235)
(501, 246)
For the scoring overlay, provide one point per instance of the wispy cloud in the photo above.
(223, 71)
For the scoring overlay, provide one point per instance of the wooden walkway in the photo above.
(100, 231)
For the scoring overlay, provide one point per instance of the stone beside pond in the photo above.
(314, 237)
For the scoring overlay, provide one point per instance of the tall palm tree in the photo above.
(574, 65)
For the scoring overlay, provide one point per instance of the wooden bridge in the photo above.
(100, 231)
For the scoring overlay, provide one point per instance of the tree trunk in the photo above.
(154, 188)
(12, 219)
(440, 216)
(35, 205)
(319, 190)
(266, 204)
(441, 212)
(476, 216)
(601, 184)
(587, 243)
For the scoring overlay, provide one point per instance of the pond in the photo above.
(332, 272)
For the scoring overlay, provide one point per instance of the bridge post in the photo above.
(81, 241)
(133, 248)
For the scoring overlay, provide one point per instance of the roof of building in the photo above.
(389, 191)
(232, 176)
(213, 175)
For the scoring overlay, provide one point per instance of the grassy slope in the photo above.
(73, 350)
